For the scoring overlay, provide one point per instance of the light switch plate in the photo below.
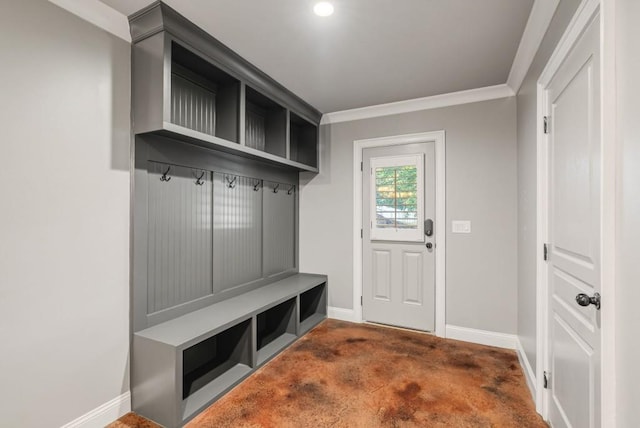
(461, 226)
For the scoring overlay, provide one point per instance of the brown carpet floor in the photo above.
(357, 375)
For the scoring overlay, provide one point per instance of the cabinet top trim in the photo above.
(159, 17)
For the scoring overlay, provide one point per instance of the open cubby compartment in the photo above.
(276, 328)
(303, 141)
(265, 124)
(213, 366)
(204, 98)
(313, 307)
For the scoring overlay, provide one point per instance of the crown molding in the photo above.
(417, 104)
(538, 23)
(99, 14)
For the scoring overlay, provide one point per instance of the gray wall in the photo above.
(527, 178)
(64, 222)
(481, 187)
(628, 234)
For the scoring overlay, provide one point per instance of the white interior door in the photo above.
(399, 235)
(573, 354)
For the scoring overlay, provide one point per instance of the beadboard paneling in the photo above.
(179, 233)
(237, 233)
(279, 233)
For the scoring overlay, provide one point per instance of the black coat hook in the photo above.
(291, 189)
(231, 183)
(256, 187)
(275, 188)
(199, 181)
(164, 176)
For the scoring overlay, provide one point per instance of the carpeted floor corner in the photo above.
(358, 375)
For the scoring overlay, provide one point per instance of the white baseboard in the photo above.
(105, 414)
(482, 337)
(529, 375)
(342, 314)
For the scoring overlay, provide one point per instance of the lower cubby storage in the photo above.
(181, 366)
(276, 329)
(216, 356)
(213, 366)
(313, 307)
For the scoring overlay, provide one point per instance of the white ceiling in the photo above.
(368, 52)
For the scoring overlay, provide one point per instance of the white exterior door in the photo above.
(399, 235)
(574, 258)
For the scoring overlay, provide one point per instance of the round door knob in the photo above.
(429, 245)
(584, 300)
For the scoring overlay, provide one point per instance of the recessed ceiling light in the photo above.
(323, 8)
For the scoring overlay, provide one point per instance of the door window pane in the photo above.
(396, 199)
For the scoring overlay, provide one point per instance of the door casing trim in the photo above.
(586, 11)
(438, 137)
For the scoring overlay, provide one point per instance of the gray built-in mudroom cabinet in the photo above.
(218, 149)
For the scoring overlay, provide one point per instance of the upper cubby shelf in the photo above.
(203, 97)
(265, 124)
(188, 85)
(303, 144)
